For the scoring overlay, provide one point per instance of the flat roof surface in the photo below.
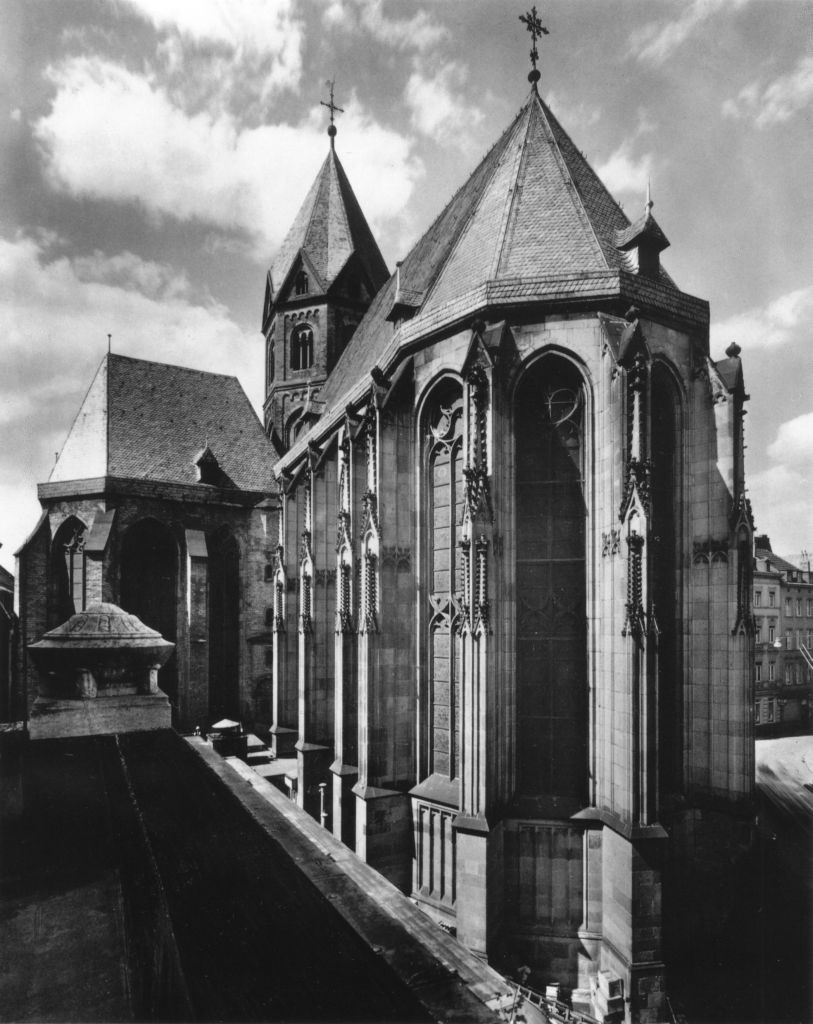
(134, 866)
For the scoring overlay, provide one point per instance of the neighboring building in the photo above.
(159, 502)
(11, 707)
(783, 667)
(505, 603)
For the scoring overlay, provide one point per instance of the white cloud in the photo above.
(54, 319)
(420, 32)
(781, 494)
(621, 172)
(777, 102)
(656, 42)
(206, 167)
(267, 28)
(794, 442)
(438, 108)
(773, 325)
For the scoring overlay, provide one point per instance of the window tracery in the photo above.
(552, 717)
(445, 490)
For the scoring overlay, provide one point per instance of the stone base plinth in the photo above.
(53, 718)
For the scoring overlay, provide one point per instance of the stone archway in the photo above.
(149, 589)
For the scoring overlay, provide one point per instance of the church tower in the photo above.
(519, 674)
(320, 285)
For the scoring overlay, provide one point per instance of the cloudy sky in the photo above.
(154, 152)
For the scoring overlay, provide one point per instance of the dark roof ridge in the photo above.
(575, 193)
(171, 366)
(502, 142)
(581, 209)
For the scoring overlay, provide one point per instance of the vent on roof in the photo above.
(208, 468)
(407, 301)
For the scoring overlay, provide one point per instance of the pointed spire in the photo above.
(649, 203)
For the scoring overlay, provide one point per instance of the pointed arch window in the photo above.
(302, 347)
(443, 476)
(552, 704)
(665, 568)
(67, 589)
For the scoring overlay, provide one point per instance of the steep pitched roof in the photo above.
(329, 228)
(533, 211)
(149, 421)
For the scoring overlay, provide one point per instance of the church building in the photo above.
(486, 574)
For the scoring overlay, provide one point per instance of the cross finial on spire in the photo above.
(649, 203)
(536, 28)
(332, 108)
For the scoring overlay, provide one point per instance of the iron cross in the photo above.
(331, 105)
(536, 28)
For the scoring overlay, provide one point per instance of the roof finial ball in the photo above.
(536, 28)
(333, 109)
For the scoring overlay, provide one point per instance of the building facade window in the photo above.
(757, 598)
(772, 598)
(551, 625)
(758, 671)
(771, 672)
(798, 606)
(771, 634)
(789, 606)
(758, 631)
(302, 284)
(302, 347)
(443, 476)
(68, 571)
(756, 713)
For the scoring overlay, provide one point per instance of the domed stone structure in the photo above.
(99, 674)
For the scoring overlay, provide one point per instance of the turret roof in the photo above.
(533, 215)
(329, 228)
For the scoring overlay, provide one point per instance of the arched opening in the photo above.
(294, 426)
(67, 579)
(552, 705)
(302, 347)
(149, 589)
(664, 562)
(302, 284)
(224, 627)
(443, 487)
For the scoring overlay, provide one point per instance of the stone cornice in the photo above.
(107, 486)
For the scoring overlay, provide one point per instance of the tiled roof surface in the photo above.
(778, 564)
(159, 418)
(330, 227)
(533, 219)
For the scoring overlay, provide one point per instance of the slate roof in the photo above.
(533, 221)
(329, 228)
(149, 421)
(778, 564)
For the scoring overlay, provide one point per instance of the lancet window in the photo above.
(664, 562)
(552, 712)
(443, 476)
(68, 562)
